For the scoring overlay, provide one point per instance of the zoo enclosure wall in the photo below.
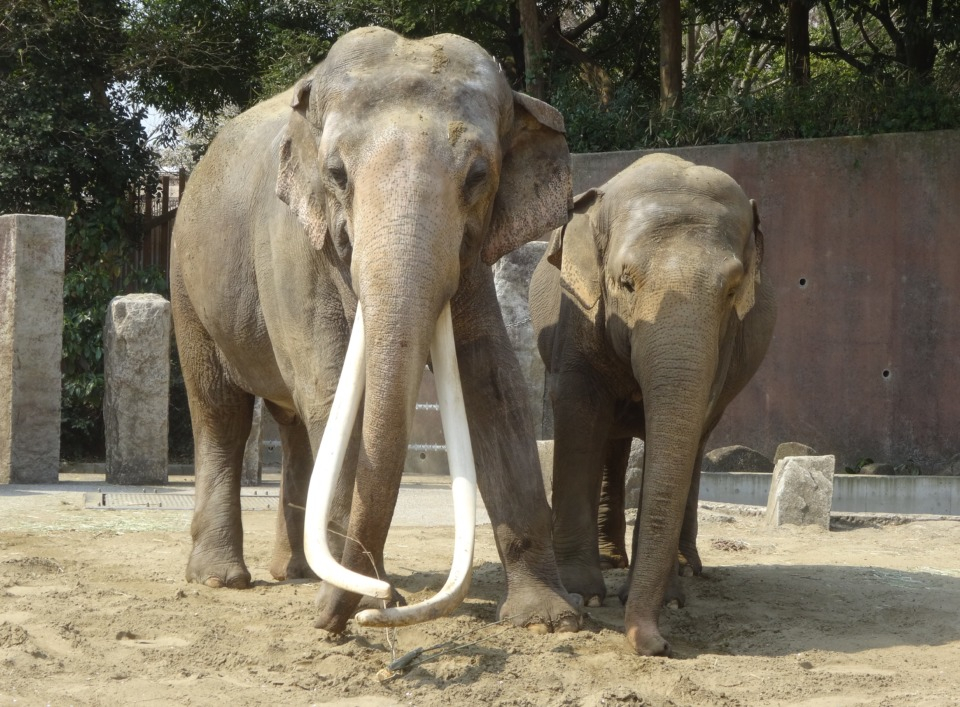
(863, 246)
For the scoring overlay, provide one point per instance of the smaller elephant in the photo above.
(651, 314)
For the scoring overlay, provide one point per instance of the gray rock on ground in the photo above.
(736, 458)
(951, 467)
(545, 451)
(252, 453)
(801, 492)
(634, 477)
(793, 449)
(877, 469)
(511, 277)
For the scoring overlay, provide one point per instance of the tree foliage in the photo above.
(71, 145)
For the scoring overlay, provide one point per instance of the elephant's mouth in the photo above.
(329, 461)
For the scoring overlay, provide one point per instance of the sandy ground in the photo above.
(94, 610)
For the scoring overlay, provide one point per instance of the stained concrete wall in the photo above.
(863, 245)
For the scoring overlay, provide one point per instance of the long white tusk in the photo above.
(463, 479)
(326, 471)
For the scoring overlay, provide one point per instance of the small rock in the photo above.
(908, 468)
(736, 458)
(793, 449)
(877, 469)
(949, 468)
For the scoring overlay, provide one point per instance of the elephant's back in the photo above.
(229, 200)
(234, 184)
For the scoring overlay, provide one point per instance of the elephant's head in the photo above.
(674, 251)
(667, 257)
(412, 162)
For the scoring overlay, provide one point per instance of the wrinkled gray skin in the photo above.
(651, 315)
(395, 172)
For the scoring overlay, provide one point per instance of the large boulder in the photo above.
(511, 276)
(801, 492)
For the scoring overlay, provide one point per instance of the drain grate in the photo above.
(169, 501)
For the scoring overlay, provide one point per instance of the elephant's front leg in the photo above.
(508, 472)
(582, 421)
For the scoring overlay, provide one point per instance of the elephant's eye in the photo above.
(338, 173)
(476, 178)
(627, 283)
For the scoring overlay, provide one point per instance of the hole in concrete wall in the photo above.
(803, 282)
(886, 373)
(423, 455)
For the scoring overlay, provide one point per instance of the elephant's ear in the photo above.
(535, 182)
(581, 202)
(574, 249)
(752, 258)
(298, 179)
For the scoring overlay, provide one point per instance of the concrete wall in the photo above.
(852, 493)
(863, 243)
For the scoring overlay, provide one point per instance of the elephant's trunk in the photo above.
(330, 460)
(675, 373)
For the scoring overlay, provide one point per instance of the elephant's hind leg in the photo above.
(221, 414)
(611, 523)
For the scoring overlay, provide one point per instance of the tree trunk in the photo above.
(798, 42)
(919, 48)
(671, 71)
(532, 47)
(691, 49)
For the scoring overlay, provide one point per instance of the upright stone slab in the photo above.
(136, 346)
(252, 459)
(31, 343)
(512, 275)
(801, 492)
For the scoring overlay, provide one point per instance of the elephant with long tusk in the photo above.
(347, 226)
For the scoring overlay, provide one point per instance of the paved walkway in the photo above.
(423, 500)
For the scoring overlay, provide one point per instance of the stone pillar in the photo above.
(512, 275)
(31, 345)
(252, 465)
(136, 344)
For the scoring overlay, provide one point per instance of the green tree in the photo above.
(71, 146)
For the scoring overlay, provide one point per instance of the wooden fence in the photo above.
(159, 212)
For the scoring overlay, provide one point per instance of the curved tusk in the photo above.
(463, 478)
(326, 471)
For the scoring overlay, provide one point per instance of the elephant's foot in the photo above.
(613, 556)
(690, 563)
(335, 607)
(217, 572)
(673, 597)
(287, 565)
(541, 610)
(645, 639)
(587, 581)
